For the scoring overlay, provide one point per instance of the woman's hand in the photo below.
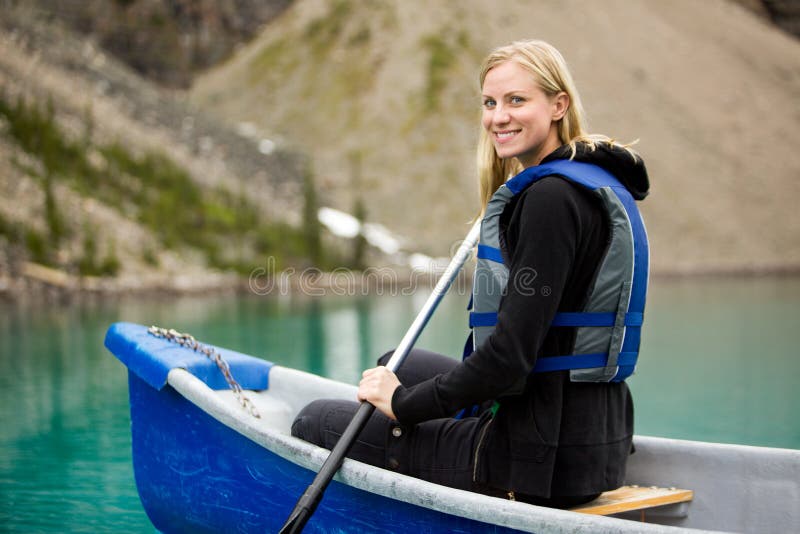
(377, 387)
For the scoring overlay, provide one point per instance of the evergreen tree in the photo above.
(359, 212)
(311, 227)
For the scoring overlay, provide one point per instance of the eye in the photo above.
(489, 103)
(516, 100)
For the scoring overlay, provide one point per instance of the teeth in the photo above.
(504, 135)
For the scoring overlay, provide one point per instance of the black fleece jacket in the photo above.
(550, 437)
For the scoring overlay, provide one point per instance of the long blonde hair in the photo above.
(547, 66)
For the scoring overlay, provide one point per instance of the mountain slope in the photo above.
(163, 40)
(102, 173)
(384, 98)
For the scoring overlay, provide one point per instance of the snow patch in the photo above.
(345, 225)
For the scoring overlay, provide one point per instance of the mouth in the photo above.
(505, 135)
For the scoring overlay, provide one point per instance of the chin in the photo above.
(505, 153)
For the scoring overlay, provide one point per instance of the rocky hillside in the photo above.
(783, 13)
(108, 182)
(383, 96)
(163, 40)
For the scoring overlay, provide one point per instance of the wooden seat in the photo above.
(631, 498)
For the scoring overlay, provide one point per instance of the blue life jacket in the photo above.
(609, 326)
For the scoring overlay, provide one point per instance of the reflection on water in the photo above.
(719, 362)
(64, 439)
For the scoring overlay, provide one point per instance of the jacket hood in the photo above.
(616, 160)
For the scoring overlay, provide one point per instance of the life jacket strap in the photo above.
(588, 319)
(582, 361)
(486, 252)
(595, 319)
(482, 319)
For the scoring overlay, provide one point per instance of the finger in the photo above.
(370, 372)
(363, 392)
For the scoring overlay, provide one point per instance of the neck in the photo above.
(549, 145)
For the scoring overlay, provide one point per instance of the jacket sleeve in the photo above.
(545, 226)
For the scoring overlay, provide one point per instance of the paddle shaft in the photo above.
(308, 502)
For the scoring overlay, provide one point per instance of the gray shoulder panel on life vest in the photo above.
(611, 291)
(491, 278)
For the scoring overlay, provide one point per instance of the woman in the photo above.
(555, 251)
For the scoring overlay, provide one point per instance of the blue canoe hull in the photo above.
(195, 474)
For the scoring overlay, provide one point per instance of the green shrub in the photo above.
(36, 246)
(440, 59)
(55, 221)
(111, 264)
(156, 191)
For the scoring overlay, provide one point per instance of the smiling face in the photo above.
(518, 116)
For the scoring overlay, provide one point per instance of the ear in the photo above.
(560, 105)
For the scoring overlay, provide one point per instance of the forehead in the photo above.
(508, 76)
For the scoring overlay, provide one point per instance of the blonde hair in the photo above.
(551, 74)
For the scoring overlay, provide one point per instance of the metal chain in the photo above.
(187, 340)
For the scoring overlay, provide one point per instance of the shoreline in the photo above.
(36, 281)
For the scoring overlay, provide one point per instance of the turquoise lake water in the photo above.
(719, 363)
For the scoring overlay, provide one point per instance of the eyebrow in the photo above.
(507, 93)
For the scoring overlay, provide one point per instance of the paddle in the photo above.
(308, 502)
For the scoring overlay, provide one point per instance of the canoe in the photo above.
(204, 463)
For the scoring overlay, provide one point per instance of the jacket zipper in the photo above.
(478, 450)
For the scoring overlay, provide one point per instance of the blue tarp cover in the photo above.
(151, 358)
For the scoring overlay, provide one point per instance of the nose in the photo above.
(500, 115)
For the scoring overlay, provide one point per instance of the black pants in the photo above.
(440, 450)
